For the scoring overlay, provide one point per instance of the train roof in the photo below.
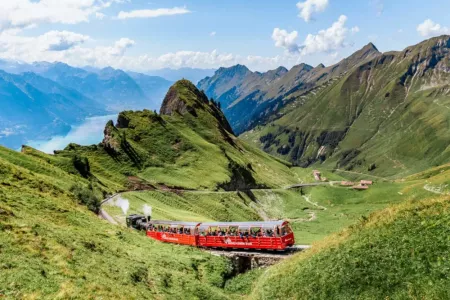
(175, 223)
(244, 224)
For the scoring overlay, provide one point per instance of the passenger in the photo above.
(240, 234)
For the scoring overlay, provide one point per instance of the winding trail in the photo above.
(308, 199)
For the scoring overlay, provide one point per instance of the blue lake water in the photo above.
(87, 133)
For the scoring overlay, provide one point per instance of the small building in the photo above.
(347, 183)
(366, 182)
(317, 176)
(360, 187)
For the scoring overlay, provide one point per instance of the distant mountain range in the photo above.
(191, 74)
(44, 99)
(247, 96)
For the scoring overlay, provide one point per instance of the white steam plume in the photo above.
(147, 210)
(124, 204)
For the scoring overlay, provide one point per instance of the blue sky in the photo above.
(207, 34)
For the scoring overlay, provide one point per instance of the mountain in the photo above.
(154, 88)
(190, 145)
(191, 74)
(35, 107)
(113, 88)
(249, 96)
(388, 116)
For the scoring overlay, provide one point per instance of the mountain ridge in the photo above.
(394, 124)
(247, 96)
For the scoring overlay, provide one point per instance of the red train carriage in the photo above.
(173, 232)
(273, 235)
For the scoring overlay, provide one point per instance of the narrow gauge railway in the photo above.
(257, 235)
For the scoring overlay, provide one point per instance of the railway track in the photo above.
(260, 254)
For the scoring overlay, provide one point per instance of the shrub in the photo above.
(81, 163)
(86, 196)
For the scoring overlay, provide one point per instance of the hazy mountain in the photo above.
(248, 96)
(36, 107)
(191, 74)
(388, 116)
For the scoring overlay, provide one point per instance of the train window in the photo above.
(243, 231)
(268, 232)
(232, 230)
(285, 230)
(212, 231)
(255, 231)
(202, 231)
(277, 231)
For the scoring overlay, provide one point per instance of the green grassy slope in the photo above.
(52, 247)
(314, 212)
(398, 253)
(389, 117)
(189, 145)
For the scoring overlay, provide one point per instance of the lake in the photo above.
(87, 133)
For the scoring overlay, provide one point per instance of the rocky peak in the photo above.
(182, 97)
(320, 66)
(237, 70)
(302, 67)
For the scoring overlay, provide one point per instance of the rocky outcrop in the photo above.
(183, 97)
(110, 141)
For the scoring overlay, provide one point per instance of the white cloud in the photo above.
(20, 14)
(429, 28)
(14, 46)
(153, 13)
(61, 40)
(286, 40)
(325, 40)
(309, 7)
(213, 33)
(328, 39)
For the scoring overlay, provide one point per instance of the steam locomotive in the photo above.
(258, 235)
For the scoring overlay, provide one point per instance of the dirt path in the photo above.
(357, 173)
(312, 217)
(308, 199)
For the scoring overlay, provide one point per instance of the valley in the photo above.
(372, 116)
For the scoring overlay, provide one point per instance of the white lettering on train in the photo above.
(165, 237)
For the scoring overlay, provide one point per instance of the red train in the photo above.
(271, 235)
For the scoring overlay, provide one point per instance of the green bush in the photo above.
(86, 196)
(81, 163)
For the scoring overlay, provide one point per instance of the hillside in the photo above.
(249, 96)
(387, 117)
(51, 246)
(399, 253)
(188, 145)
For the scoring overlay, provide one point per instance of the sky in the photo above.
(142, 35)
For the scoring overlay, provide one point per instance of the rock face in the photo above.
(110, 142)
(183, 97)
